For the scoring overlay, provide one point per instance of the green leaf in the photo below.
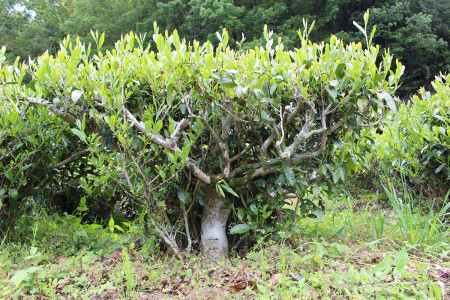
(229, 190)
(160, 43)
(182, 196)
(219, 37)
(227, 82)
(308, 64)
(290, 176)
(225, 39)
(13, 193)
(111, 222)
(94, 35)
(148, 126)
(319, 214)
(240, 228)
(384, 267)
(342, 172)
(112, 121)
(265, 115)
(32, 85)
(253, 209)
(333, 91)
(340, 70)
(83, 233)
(316, 190)
(240, 213)
(438, 169)
(76, 95)
(266, 33)
(57, 102)
(362, 104)
(19, 277)
(401, 260)
(335, 177)
(378, 78)
(294, 228)
(9, 175)
(102, 39)
(241, 90)
(118, 228)
(22, 275)
(157, 127)
(79, 125)
(184, 153)
(359, 27)
(389, 101)
(273, 88)
(220, 190)
(79, 133)
(366, 17)
(169, 96)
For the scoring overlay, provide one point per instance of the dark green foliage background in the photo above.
(417, 32)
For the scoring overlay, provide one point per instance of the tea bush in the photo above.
(413, 145)
(416, 141)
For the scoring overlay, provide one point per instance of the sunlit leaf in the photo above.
(76, 95)
(401, 260)
(227, 82)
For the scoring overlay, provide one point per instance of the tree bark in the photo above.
(214, 222)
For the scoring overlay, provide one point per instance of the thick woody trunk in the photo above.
(214, 222)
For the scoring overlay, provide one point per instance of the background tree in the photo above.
(114, 17)
(32, 27)
(410, 30)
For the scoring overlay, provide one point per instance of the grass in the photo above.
(359, 250)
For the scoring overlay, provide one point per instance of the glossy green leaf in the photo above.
(229, 190)
(79, 133)
(181, 196)
(157, 127)
(227, 82)
(240, 228)
(76, 95)
(290, 176)
(169, 96)
(340, 70)
(362, 104)
(333, 91)
(13, 193)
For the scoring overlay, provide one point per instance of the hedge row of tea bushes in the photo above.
(412, 146)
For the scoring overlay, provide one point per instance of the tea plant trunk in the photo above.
(214, 222)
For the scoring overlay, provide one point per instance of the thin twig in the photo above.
(69, 159)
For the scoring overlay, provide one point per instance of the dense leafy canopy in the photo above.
(417, 32)
(417, 140)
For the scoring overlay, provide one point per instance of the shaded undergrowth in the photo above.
(360, 249)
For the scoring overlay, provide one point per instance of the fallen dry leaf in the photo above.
(274, 279)
(440, 272)
(242, 286)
